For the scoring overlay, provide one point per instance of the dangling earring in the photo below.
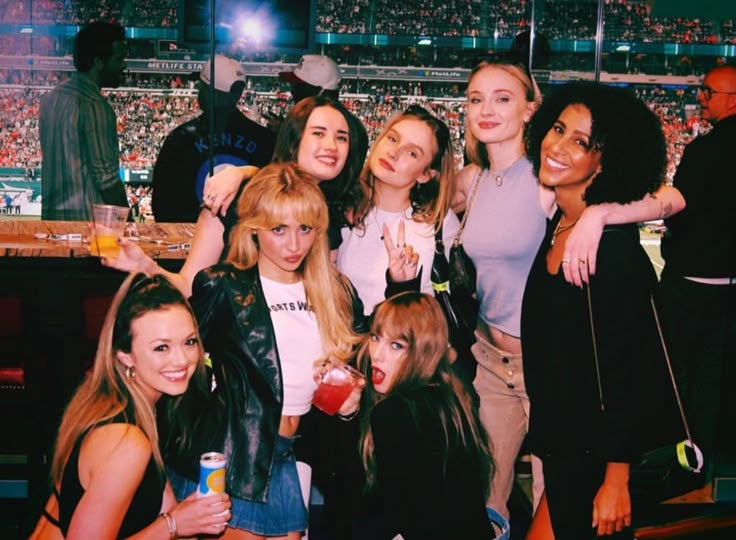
(130, 372)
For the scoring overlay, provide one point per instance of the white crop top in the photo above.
(297, 341)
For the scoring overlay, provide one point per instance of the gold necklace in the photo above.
(562, 228)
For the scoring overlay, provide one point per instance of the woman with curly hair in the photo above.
(589, 419)
(507, 215)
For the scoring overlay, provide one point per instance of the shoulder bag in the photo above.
(669, 470)
(462, 275)
(462, 335)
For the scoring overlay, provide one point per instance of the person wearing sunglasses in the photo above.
(698, 284)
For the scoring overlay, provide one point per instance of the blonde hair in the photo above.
(108, 392)
(278, 191)
(475, 150)
(417, 319)
(431, 200)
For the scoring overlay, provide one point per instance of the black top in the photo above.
(559, 366)
(701, 240)
(418, 493)
(182, 165)
(143, 509)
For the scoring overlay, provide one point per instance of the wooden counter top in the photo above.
(35, 238)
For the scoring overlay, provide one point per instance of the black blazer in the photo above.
(240, 417)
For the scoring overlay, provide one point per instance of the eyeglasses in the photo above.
(708, 92)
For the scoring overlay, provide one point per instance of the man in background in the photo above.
(183, 163)
(78, 129)
(698, 284)
(313, 75)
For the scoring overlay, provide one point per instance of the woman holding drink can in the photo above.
(267, 315)
(107, 472)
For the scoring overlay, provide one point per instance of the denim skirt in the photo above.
(284, 510)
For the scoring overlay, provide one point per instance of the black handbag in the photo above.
(669, 470)
(462, 274)
(462, 333)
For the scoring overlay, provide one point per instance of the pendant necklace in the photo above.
(562, 228)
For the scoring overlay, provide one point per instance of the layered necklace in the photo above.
(562, 228)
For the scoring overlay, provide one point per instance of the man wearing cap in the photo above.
(183, 162)
(314, 74)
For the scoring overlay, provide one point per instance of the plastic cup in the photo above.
(336, 382)
(109, 225)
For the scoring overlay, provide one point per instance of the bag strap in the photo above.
(473, 191)
(440, 280)
(664, 350)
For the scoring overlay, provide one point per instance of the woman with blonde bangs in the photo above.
(408, 181)
(321, 136)
(267, 315)
(507, 216)
(107, 471)
(425, 453)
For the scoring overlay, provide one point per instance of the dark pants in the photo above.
(571, 482)
(700, 324)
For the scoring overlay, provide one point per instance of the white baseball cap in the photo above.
(227, 73)
(316, 70)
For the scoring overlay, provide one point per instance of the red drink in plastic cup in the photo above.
(336, 382)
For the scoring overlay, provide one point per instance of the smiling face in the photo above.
(386, 356)
(324, 144)
(164, 350)
(497, 106)
(402, 156)
(569, 159)
(282, 249)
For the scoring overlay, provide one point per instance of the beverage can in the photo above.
(212, 469)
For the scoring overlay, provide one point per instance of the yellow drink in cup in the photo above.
(109, 225)
(104, 244)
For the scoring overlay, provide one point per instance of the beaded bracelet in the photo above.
(171, 524)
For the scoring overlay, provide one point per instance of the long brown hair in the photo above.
(417, 319)
(430, 201)
(108, 392)
(280, 190)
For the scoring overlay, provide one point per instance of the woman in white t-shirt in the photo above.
(409, 179)
(267, 315)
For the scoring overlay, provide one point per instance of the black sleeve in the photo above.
(399, 469)
(626, 340)
(173, 198)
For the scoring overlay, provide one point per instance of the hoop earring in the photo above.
(130, 372)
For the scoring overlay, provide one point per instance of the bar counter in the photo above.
(53, 298)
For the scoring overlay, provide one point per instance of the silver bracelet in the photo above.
(348, 417)
(171, 524)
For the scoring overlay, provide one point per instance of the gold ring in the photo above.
(565, 261)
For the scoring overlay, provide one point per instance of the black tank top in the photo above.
(143, 510)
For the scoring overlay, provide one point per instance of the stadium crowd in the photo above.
(146, 117)
(561, 19)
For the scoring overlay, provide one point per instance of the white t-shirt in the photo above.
(363, 259)
(297, 340)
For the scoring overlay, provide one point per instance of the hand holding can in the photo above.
(212, 472)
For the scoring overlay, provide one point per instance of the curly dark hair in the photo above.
(626, 132)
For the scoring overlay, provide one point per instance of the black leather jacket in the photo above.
(241, 416)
